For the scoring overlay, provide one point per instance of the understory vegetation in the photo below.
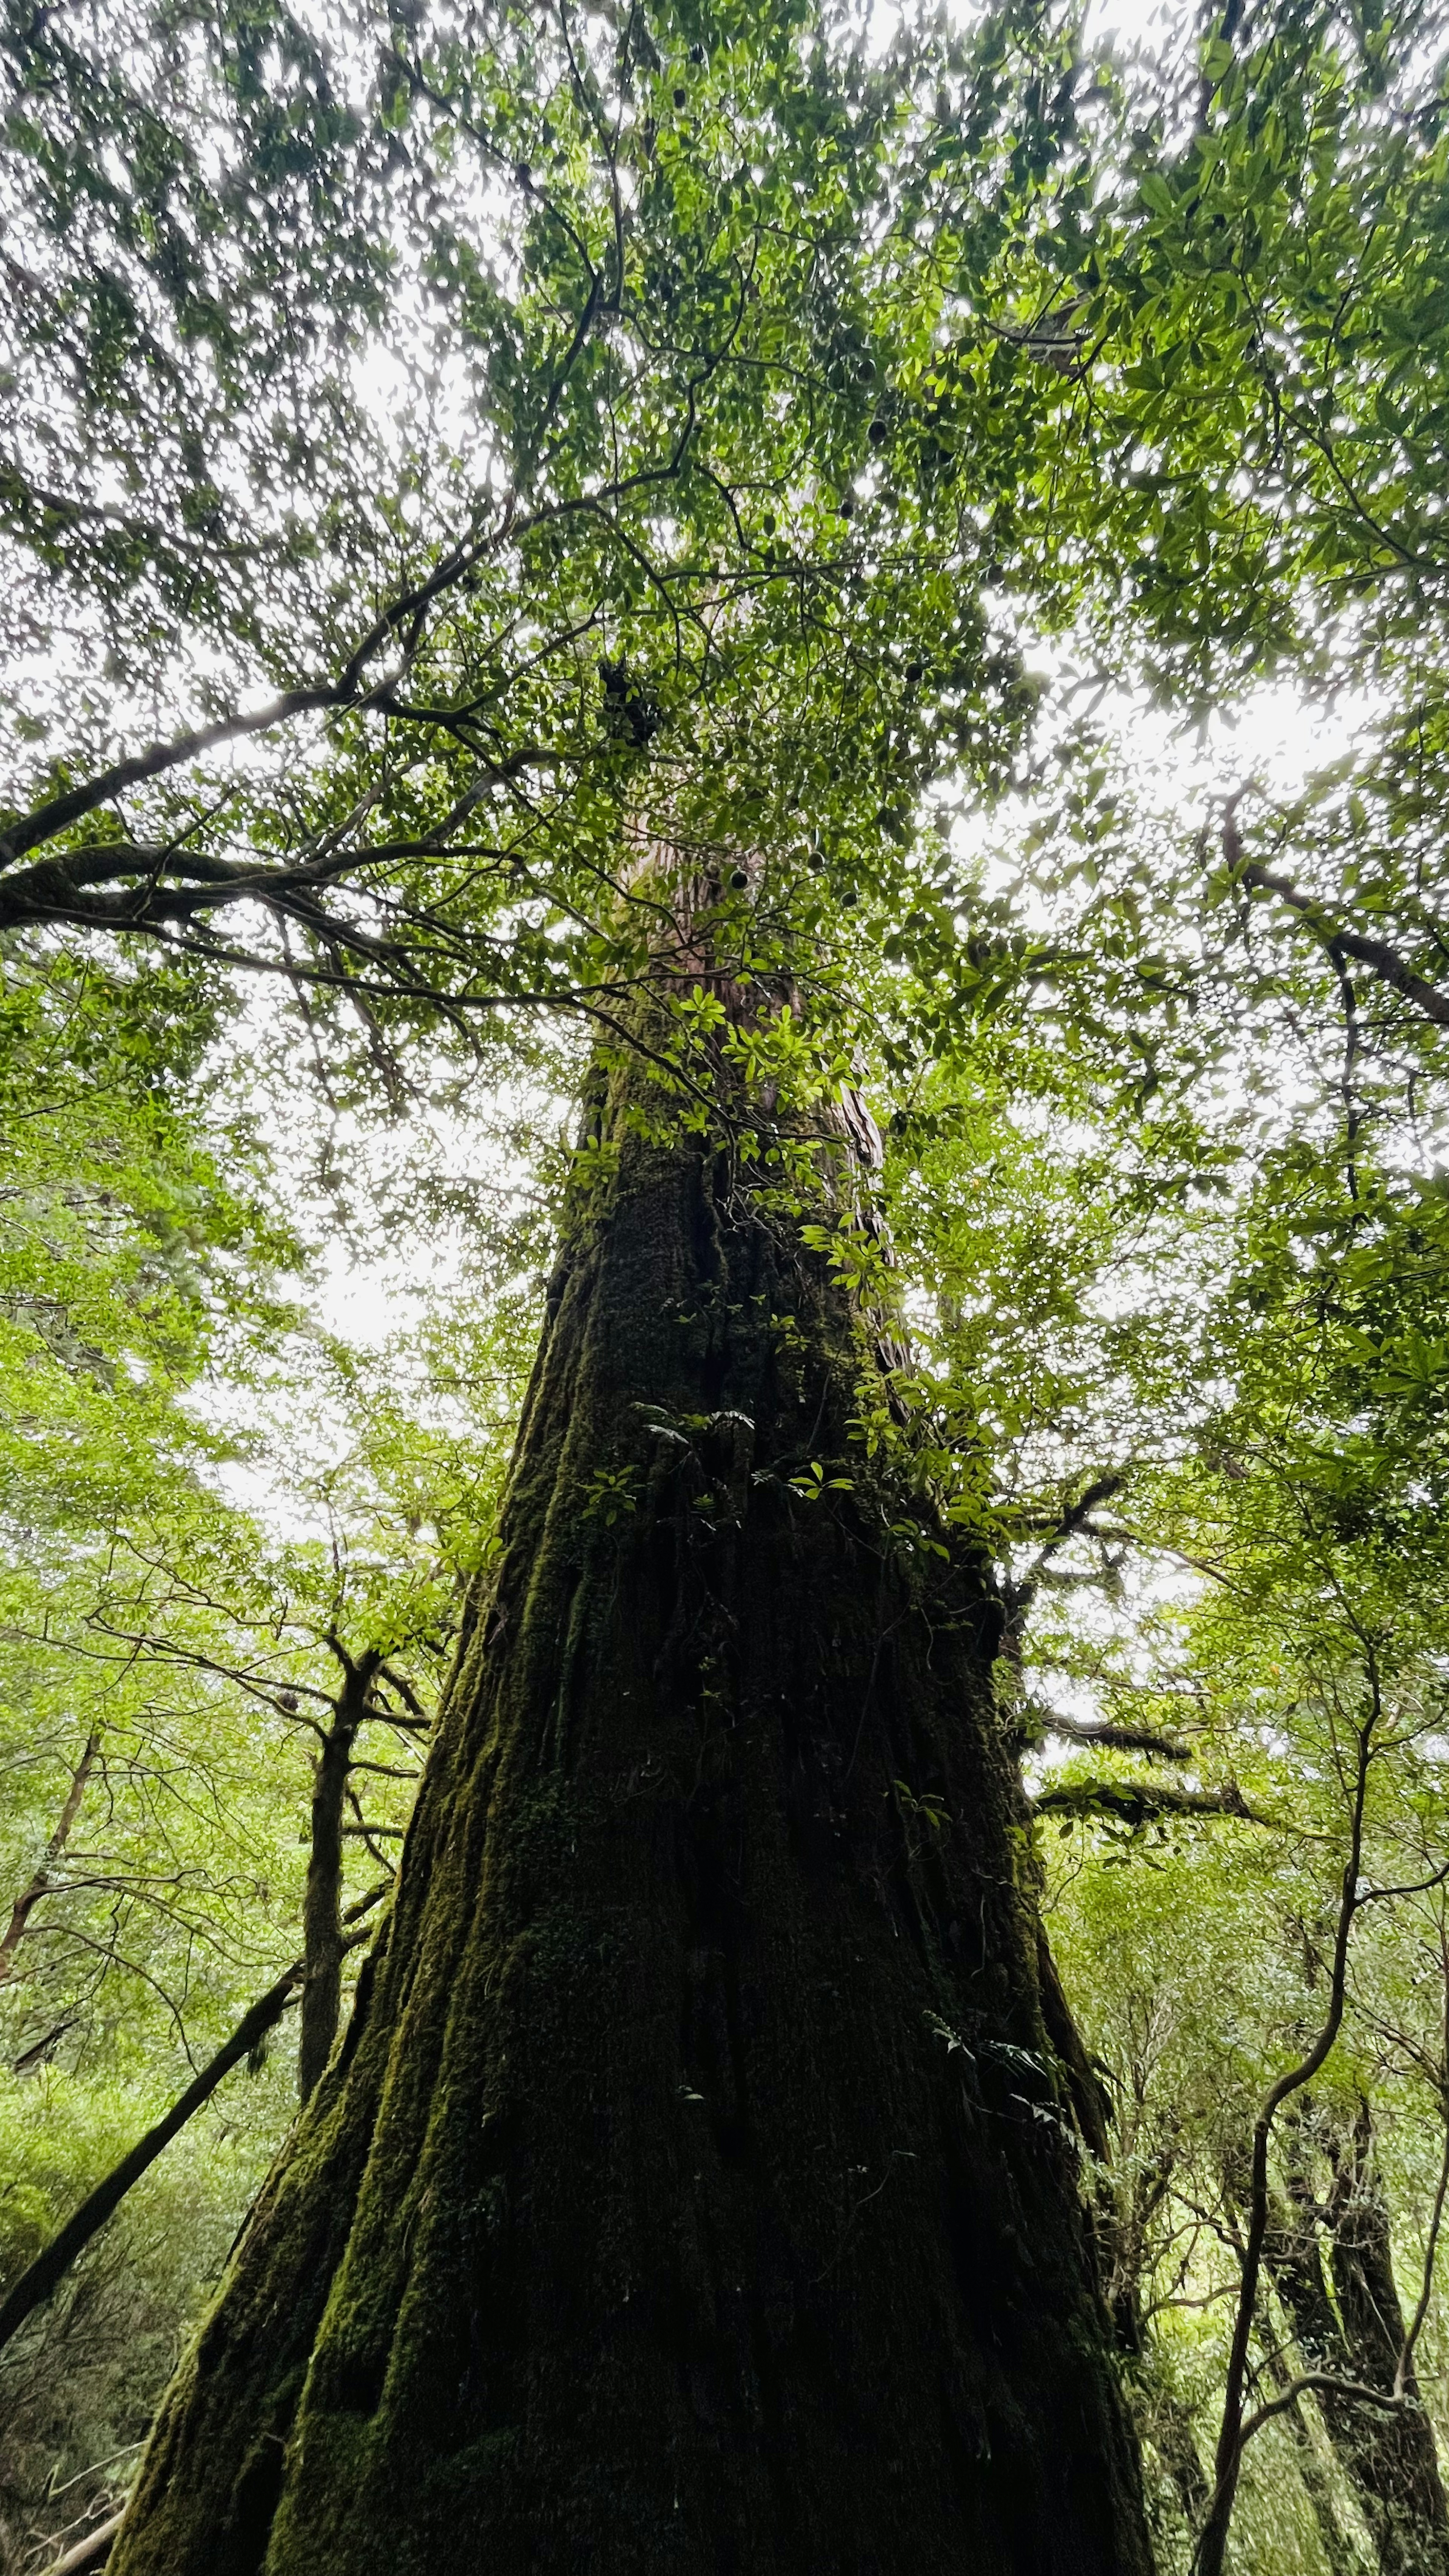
(886, 584)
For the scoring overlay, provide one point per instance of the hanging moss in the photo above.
(694, 2190)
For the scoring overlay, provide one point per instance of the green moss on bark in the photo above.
(694, 2188)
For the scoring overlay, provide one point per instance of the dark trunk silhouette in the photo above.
(324, 1941)
(1357, 2332)
(694, 2189)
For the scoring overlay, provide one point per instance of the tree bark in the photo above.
(694, 2189)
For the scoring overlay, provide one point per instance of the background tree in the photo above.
(200, 1482)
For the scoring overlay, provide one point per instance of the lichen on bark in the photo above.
(695, 2187)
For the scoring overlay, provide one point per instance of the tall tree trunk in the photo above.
(693, 2190)
(1389, 2460)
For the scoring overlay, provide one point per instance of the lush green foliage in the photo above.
(203, 1487)
(484, 486)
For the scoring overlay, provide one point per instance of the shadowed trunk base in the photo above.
(694, 2190)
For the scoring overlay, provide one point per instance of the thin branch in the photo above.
(29, 1897)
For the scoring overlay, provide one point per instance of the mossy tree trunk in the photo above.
(694, 2189)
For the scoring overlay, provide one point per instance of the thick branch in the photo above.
(1382, 960)
(1070, 1522)
(91, 2550)
(1319, 2383)
(1117, 1739)
(41, 893)
(1139, 1802)
(62, 811)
